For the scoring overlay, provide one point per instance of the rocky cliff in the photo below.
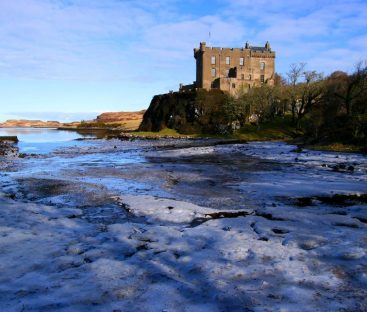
(187, 112)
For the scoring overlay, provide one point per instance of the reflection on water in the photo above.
(44, 140)
(88, 172)
(43, 135)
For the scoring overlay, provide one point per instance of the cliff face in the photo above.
(186, 112)
(169, 110)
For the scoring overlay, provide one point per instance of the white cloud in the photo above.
(307, 31)
(144, 41)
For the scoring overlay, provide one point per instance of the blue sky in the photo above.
(71, 59)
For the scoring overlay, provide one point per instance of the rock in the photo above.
(309, 244)
(8, 149)
(297, 150)
(280, 231)
(342, 167)
(9, 138)
(353, 254)
(179, 111)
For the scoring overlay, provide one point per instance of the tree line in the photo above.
(330, 109)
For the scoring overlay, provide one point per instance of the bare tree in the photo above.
(356, 85)
(310, 92)
(294, 74)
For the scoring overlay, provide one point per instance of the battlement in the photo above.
(255, 51)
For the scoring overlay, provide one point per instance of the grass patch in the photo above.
(163, 133)
(131, 125)
(128, 125)
(337, 147)
(279, 129)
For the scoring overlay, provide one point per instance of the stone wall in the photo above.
(235, 75)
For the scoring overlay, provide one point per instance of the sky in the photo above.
(72, 59)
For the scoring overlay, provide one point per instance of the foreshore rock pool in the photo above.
(183, 225)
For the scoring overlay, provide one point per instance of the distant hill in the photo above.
(125, 120)
(24, 123)
(120, 116)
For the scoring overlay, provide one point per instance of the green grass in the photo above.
(337, 147)
(131, 124)
(279, 129)
(162, 133)
(125, 125)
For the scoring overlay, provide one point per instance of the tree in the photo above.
(310, 92)
(294, 74)
(355, 86)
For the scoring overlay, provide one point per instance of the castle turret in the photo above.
(267, 46)
(202, 46)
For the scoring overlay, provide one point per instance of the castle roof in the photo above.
(258, 49)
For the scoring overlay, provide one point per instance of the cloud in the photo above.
(174, 41)
(327, 35)
(68, 40)
(144, 42)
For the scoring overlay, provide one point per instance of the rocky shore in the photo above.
(184, 225)
(7, 146)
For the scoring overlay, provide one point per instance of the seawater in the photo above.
(44, 140)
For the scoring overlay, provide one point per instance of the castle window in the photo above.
(243, 76)
(242, 61)
(262, 78)
(228, 60)
(262, 66)
(213, 72)
(233, 85)
(213, 60)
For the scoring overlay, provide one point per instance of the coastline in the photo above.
(119, 250)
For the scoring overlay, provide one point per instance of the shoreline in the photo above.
(114, 133)
(118, 248)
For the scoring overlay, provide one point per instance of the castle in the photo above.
(233, 69)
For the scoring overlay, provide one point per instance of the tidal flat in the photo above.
(182, 225)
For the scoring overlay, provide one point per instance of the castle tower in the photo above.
(234, 69)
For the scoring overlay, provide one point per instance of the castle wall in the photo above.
(237, 74)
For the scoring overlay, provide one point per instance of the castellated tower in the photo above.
(233, 69)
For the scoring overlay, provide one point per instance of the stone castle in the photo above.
(232, 69)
